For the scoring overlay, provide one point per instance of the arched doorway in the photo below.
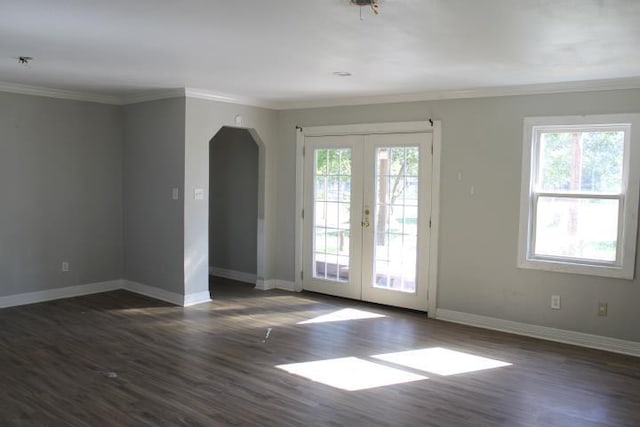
(235, 205)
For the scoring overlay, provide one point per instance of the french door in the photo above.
(367, 204)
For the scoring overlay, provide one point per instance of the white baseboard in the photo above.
(196, 298)
(265, 285)
(171, 297)
(261, 284)
(153, 292)
(59, 293)
(285, 285)
(552, 334)
(96, 288)
(233, 275)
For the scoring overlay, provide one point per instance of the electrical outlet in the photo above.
(65, 266)
(602, 308)
(555, 302)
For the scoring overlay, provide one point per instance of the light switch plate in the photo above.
(198, 194)
(175, 193)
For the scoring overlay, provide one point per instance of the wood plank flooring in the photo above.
(124, 360)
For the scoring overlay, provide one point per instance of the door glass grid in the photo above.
(396, 218)
(332, 219)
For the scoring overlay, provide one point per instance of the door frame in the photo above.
(429, 126)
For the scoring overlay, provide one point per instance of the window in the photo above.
(579, 201)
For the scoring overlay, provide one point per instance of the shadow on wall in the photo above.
(233, 204)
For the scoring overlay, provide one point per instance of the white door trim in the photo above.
(299, 232)
(368, 128)
(435, 220)
(434, 127)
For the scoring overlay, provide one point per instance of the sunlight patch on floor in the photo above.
(441, 361)
(342, 315)
(350, 373)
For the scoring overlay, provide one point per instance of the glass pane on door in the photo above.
(332, 214)
(396, 218)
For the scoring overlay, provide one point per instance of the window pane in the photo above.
(581, 161)
(577, 228)
(331, 214)
(396, 218)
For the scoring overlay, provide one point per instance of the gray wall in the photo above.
(233, 200)
(62, 178)
(204, 119)
(61, 187)
(153, 165)
(482, 139)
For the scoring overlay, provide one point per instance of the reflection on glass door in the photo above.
(396, 218)
(332, 200)
(365, 225)
(395, 250)
(331, 213)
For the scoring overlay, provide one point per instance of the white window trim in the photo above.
(630, 189)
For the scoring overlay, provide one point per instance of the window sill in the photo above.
(615, 272)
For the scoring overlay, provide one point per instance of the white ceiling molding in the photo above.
(152, 95)
(194, 93)
(232, 99)
(535, 89)
(134, 98)
(58, 93)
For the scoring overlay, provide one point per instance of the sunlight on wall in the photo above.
(350, 373)
(341, 315)
(441, 361)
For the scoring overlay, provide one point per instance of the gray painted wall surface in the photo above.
(233, 200)
(61, 187)
(203, 120)
(153, 165)
(482, 139)
(61, 177)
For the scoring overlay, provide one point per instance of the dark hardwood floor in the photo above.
(122, 359)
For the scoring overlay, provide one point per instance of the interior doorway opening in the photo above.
(236, 208)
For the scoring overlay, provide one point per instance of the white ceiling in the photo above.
(284, 52)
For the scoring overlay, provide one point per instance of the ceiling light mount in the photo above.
(342, 73)
(373, 4)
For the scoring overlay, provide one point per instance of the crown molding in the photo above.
(133, 98)
(228, 98)
(153, 95)
(194, 93)
(58, 93)
(489, 92)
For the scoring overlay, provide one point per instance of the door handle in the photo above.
(365, 220)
